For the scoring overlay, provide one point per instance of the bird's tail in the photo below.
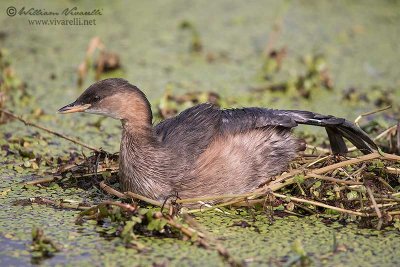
(336, 128)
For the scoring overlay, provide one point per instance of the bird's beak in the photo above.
(71, 108)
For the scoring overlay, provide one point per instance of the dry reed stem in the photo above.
(386, 132)
(111, 190)
(40, 181)
(317, 148)
(143, 198)
(315, 203)
(318, 160)
(391, 157)
(59, 204)
(371, 196)
(380, 205)
(124, 206)
(331, 179)
(392, 170)
(193, 200)
(224, 204)
(357, 120)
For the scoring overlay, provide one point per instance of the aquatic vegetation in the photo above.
(360, 52)
(314, 77)
(196, 44)
(12, 89)
(102, 62)
(171, 104)
(42, 246)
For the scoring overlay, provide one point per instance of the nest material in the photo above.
(363, 187)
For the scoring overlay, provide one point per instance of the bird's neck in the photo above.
(142, 161)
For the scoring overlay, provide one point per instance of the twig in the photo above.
(216, 206)
(323, 150)
(391, 157)
(371, 196)
(111, 190)
(392, 170)
(194, 200)
(60, 204)
(28, 123)
(386, 132)
(93, 212)
(210, 206)
(277, 184)
(91, 174)
(285, 176)
(315, 203)
(189, 232)
(386, 184)
(357, 120)
(124, 206)
(381, 205)
(331, 179)
(318, 160)
(40, 181)
(200, 237)
(371, 156)
(143, 198)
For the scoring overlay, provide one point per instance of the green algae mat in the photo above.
(337, 58)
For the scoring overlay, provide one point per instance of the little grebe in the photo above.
(205, 151)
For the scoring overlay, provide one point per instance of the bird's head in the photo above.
(115, 98)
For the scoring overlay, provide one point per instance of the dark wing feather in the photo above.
(190, 132)
(250, 118)
(337, 128)
(195, 127)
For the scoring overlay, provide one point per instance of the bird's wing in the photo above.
(244, 119)
(192, 130)
(336, 128)
(205, 120)
(196, 126)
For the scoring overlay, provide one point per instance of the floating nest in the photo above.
(362, 188)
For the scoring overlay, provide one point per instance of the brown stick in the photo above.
(186, 231)
(315, 203)
(124, 206)
(46, 201)
(277, 184)
(347, 162)
(40, 181)
(323, 150)
(357, 120)
(111, 190)
(391, 157)
(386, 132)
(327, 178)
(28, 123)
(205, 198)
(371, 195)
(393, 170)
(143, 198)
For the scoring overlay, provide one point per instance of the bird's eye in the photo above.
(96, 98)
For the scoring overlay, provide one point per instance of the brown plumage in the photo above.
(204, 150)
